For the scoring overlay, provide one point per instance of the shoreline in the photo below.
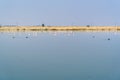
(60, 28)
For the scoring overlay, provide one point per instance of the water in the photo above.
(59, 56)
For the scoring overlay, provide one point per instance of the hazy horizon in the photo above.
(62, 12)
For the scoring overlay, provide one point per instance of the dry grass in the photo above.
(60, 28)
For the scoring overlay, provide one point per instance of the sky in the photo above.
(60, 12)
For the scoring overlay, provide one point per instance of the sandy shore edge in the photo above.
(60, 28)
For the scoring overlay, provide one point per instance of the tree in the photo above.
(43, 25)
(88, 25)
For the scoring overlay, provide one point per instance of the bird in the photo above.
(26, 37)
(108, 38)
(13, 37)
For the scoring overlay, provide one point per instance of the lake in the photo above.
(59, 55)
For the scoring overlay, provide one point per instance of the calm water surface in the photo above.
(59, 55)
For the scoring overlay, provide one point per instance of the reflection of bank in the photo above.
(53, 33)
(15, 34)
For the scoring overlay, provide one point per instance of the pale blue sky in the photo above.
(60, 12)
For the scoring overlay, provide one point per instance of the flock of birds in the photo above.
(107, 38)
(28, 37)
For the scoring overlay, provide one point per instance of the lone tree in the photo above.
(88, 25)
(43, 25)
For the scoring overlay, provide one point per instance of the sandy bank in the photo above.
(60, 28)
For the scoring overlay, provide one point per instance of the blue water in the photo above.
(59, 56)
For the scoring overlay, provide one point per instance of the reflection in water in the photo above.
(35, 34)
(53, 33)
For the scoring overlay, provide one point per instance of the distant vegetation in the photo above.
(88, 25)
(43, 25)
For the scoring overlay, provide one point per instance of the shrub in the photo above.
(88, 25)
(43, 25)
